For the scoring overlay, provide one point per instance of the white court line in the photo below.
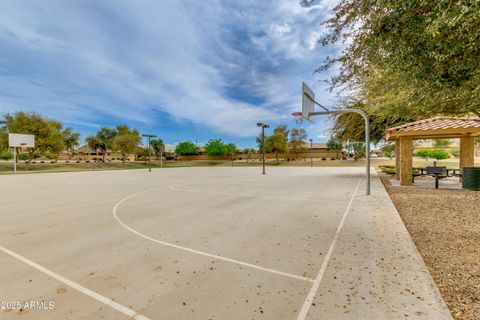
(109, 302)
(206, 254)
(316, 283)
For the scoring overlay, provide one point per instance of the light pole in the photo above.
(263, 126)
(161, 155)
(311, 152)
(149, 157)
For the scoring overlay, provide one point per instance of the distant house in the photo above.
(316, 147)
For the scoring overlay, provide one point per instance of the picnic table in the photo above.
(451, 172)
(455, 172)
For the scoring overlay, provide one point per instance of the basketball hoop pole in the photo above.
(308, 110)
(149, 156)
(367, 135)
(14, 160)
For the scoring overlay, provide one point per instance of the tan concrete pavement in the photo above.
(210, 243)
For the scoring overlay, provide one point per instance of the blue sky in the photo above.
(185, 70)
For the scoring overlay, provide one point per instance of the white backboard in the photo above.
(308, 96)
(21, 140)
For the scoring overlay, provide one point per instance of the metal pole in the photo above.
(367, 137)
(14, 160)
(149, 157)
(311, 153)
(161, 157)
(149, 154)
(263, 147)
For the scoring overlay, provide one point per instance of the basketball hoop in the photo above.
(23, 145)
(298, 117)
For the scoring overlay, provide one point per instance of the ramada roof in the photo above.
(436, 128)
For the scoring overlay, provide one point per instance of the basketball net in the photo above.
(298, 117)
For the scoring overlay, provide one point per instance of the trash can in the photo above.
(471, 178)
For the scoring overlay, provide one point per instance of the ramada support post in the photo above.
(467, 148)
(397, 159)
(406, 147)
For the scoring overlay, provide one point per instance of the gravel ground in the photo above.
(445, 226)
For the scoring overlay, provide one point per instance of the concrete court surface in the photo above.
(208, 243)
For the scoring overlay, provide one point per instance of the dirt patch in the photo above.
(445, 226)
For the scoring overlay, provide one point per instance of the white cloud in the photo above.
(224, 65)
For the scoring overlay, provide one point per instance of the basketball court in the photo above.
(209, 243)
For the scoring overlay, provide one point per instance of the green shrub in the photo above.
(389, 170)
(49, 155)
(6, 155)
(455, 152)
(423, 153)
(438, 154)
(23, 156)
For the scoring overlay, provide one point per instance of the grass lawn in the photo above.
(7, 167)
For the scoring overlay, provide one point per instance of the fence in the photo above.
(258, 156)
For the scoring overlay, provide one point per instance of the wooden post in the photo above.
(467, 148)
(406, 147)
(397, 159)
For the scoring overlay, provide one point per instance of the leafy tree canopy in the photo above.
(187, 148)
(442, 143)
(216, 147)
(278, 141)
(404, 60)
(297, 139)
(125, 141)
(50, 136)
(158, 146)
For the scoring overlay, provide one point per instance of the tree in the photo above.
(438, 154)
(48, 135)
(404, 60)
(335, 145)
(442, 143)
(103, 140)
(388, 149)
(158, 147)
(187, 148)
(423, 153)
(358, 149)
(278, 141)
(297, 140)
(455, 152)
(216, 147)
(54, 141)
(232, 148)
(93, 143)
(141, 152)
(126, 141)
(260, 140)
(70, 140)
